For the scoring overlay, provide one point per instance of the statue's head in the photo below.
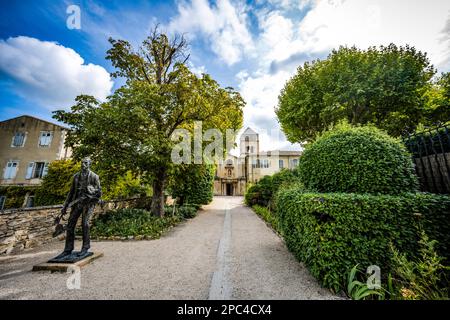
(86, 163)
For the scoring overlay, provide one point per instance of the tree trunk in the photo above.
(159, 184)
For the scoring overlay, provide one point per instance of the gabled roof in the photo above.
(28, 116)
(249, 132)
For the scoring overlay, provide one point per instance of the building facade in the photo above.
(27, 146)
(251, 165)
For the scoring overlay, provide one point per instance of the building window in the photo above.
(45, 138)
(251, 149)
(11, 170)
(281, 164)
(30, 202)
(18, 139)
(2, 202)
(36, 170)
(294, 163)
(265, 163)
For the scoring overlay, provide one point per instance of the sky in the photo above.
(252, 46)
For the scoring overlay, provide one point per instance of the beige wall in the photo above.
(237, 177)
(30, 151)
(255, 174)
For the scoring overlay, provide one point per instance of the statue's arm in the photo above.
(99, 187)
(70, 194)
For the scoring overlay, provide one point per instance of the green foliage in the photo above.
(193, 184)
(357, 290)
(185, 211)
(137, 223)
(15, 195)
(122, 186)
(429, 141)
(264, 191)
(423, 278)
(159, 96)
(357, 159)
(385, 86)
(56, 184)
(438, 100)
(332, 232)
(259, 193)
(267, 215)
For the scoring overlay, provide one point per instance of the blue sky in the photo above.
(253, 46)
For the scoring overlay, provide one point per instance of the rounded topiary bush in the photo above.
(357, 159)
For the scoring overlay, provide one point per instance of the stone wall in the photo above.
(30, 227)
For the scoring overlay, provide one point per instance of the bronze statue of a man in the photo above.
(82, 198)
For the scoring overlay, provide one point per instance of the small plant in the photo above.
(134, 223)
(268, 216)
(420, 279)
(357, 290)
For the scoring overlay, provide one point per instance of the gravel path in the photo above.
(226, 252)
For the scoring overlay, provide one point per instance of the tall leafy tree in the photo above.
(384, 86)
(438, 100)
(132, 130)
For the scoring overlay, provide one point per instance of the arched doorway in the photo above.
(229, 189)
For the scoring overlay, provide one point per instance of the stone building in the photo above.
(27, 146)
(251, 165)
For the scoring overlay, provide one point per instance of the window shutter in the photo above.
(7, 170)
(30, 169)
(45, 171)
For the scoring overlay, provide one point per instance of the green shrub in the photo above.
(263, 192)
(131, 223)
(193, 184)
(185, 211)
(267, 215)
(422, 278)
(56, 184)
(331, 233)
(259, 193)
(357, 159)
(15, 195)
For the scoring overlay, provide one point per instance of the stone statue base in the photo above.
(71, 258)
(63, 266)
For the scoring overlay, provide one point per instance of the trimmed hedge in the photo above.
(263, 193)
(268, 215)
(357, 159)
(332, 232)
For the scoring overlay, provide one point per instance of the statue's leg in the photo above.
(71, 224)
(86, 236)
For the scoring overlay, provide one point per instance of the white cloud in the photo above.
(51, 74)
(285, 43)
(261, 94)
(223, 24)
(197, 70)
(366, 23)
